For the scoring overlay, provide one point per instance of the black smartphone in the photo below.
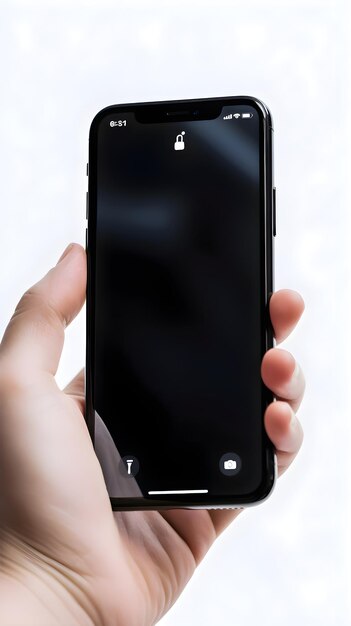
(181, 221)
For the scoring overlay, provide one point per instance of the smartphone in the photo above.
(181, 224)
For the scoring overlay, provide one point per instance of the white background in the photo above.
(285, 561)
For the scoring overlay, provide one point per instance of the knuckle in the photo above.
(28, 299)
(41, 312)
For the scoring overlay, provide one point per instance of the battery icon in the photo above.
(247, 115)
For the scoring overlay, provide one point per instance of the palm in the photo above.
(62, 510)
(156, 551)
(164, 561)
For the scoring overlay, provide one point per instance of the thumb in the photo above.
(34, 337)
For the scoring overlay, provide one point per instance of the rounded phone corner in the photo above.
(267, 115)
(267, 488)
(94, 124)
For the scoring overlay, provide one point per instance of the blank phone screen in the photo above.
(177, 325)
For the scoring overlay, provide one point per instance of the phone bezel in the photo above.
(156, 112)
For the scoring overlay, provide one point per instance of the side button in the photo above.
(87, 206)
(86, 239)
(274, 212)
(87, 169)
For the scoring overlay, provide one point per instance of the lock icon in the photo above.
(179, 142)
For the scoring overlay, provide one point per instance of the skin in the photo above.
(65, 557)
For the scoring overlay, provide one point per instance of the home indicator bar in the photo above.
(175, 491)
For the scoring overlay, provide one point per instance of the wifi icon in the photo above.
(236, 115)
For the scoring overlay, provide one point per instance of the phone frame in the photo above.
(159, 108)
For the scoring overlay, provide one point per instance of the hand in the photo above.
(66, 557)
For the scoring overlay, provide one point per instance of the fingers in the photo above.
(33, 339)
(281, 373)
(285, 308)
(285, 432)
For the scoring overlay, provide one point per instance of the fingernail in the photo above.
(292, 417)
(65, 252)
(296, 371)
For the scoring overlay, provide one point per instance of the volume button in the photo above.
(274, 212)
(87, 206)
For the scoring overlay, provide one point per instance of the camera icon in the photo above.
(230, 463)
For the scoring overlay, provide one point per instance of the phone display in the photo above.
(179, 248)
